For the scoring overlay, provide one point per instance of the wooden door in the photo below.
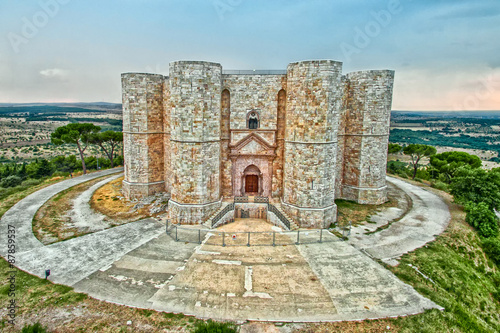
(252, 184)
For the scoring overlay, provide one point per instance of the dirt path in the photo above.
(428, 217)
(83, 216)
(20, 216)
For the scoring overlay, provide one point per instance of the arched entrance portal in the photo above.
(252, 181)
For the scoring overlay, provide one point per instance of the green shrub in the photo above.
(491, 247)
(481, 217)
(11, 181)
(214, 327)
(35, 328)
(440, 186)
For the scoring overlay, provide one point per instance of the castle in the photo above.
(302, 137)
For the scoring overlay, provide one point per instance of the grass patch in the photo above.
(51, 223)
(214, 327)
(466, 284)
(357, 214)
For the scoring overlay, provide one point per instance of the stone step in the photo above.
(208, 222)
(293, 224)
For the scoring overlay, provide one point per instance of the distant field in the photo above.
(477, 132)
(25, 129)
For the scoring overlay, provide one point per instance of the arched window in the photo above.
(253, 120)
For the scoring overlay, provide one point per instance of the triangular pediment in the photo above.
(252, 144)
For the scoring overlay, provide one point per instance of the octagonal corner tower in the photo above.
(143, 134)
(195, 106)
(314, 99)
(365, 135)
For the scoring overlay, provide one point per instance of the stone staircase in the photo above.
(208, 223)
(293, 224)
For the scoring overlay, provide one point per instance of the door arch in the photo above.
(251, 181)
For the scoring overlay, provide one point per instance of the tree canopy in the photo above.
(417, 152)
(449, 162)
(75, 133)
(394, 148)
(476, 185)
(108, 141)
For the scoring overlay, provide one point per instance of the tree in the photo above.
(449, 162)
(107, 141)
(491, 247)
(43, 168)
(11, 181)
(75, 133)
(475, 186)
(22, 173)
(481, 217)
(394, 148)
(417, 152)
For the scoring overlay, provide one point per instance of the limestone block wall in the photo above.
(254, 92)
(313, 107)
(225, 161)
(143, 141)
(195, 104)
(166, 137)
(367, 101)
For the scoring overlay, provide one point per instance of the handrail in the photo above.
(249, 238)
(241, 199)
(279, 215)
(259, 199)
(221, 214)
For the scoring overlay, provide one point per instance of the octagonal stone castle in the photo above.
(302, 137)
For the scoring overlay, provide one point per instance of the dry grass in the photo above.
(51, 223)
(357, 213)
(108, 200)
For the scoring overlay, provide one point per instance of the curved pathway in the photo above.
(428, 217)
(73, 259)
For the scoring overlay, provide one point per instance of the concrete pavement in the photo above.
(428, 217)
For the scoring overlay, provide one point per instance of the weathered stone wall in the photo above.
(225, 137)
(166, 137)
(367, 101)
(257, 92)
(195, 103)
(312, 109)
(143, 145)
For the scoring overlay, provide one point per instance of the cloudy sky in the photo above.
(446, 53)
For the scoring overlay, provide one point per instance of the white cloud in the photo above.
(54, 73)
